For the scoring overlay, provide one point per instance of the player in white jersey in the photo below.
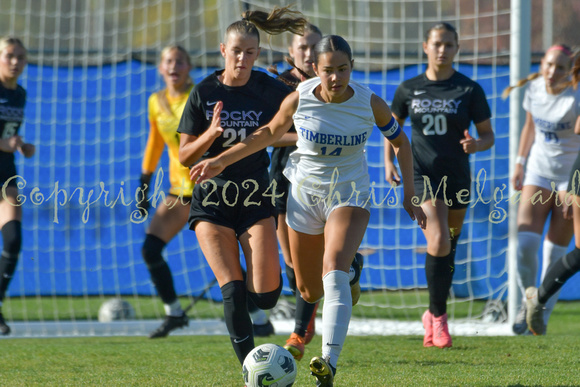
(328, 211)
(550, 146)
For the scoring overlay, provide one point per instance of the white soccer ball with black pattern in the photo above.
(116, 309)
(269, 365)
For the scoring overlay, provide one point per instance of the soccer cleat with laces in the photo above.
(295, 345)
(441, 336)
(356, 268)
(428, 325)
(311, 329)
(535, 312)
(169, 324)
(321, 369)
(263, 330)
(520, 326)
(4, 329)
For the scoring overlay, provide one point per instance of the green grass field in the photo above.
(365, 361)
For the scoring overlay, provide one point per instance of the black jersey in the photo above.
(11, 116)
(245, 109)
(280, 156)
(440, 111)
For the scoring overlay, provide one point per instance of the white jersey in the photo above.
(330, 154)
(555, 145)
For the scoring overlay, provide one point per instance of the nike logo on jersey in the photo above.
(211, 103)
(241, 340)
(419, 92)
(333, 345)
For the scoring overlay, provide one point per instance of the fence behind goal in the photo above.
(92, 68)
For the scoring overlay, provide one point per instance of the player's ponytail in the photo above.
(520, 83)
(279, 20)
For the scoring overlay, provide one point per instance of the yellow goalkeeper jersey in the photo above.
(163, 131)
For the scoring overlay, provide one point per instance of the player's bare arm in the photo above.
(402, 148)
(527, 137)
(191, 147)
(391, 173)
(485, 141)
(260, 139)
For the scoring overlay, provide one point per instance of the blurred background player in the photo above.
(549, 145)
(13, 96)
(441, 147)
(165, 108)
(326, 229)
(301, 52)
(223, 109)
(560, 271)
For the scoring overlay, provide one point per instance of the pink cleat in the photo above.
(441, 337)
(428, 325)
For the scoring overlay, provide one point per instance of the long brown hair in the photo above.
(277, 21)
(522, 82)
(162, 94)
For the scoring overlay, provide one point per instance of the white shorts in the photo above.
(532, 178)
(307, 213)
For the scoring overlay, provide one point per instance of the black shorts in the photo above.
(6, 172)
(236, 204)
(428, 186)
(277, 165)
(574, 183)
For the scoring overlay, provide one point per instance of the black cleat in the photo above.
(263, 330)
(321, 369)
(169, 324)
(4, 329)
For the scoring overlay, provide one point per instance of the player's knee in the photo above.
(151, 251)
(12, 237)
(309, 295)
(267, 300)
(439, 247)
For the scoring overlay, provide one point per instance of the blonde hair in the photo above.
(576, 72)
(522, 82)
(273, 23)
(162, 94)
(10, 41)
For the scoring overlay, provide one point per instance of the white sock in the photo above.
(259, 317)
(528, 246)
(173, 309)
(551, 253)
(336, 313)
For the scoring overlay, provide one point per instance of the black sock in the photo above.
(559, 273)
(304, 311)
(291, 278)
(12, 239)
(237, 318)
(439, 273)
(158, 268)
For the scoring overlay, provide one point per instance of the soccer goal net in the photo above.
(92, 67)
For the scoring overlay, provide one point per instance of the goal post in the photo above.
(92, 66)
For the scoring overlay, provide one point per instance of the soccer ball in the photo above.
(269, 365)
(116, 309)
